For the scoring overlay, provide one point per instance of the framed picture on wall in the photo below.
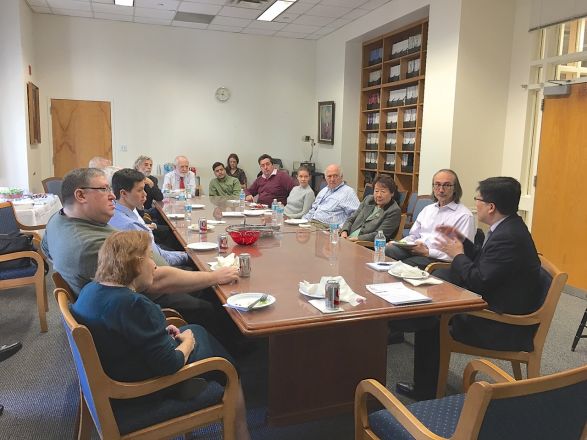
(34, 114)
(326, 122)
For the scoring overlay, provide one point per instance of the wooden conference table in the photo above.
(315, 360)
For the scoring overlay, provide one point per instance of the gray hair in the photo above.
(140, 161)
(75, 179)
(99, 162)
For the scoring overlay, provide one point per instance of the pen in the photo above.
(384, 264)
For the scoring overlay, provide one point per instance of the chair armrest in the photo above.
(128, 390)
(485, 367)
(173, 320)
(171, 313)
(393, 405)
(438, 265)
(365, 243)
(505, 318)
(24, 254)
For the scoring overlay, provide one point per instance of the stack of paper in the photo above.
(397, 293)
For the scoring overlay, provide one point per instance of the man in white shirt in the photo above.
(448, 211)
(181, 177)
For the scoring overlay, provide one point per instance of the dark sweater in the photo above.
(277, 186)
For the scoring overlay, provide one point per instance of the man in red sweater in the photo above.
(271, 184)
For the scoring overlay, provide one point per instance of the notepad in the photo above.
(397, 293)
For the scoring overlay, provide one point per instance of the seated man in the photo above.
(336, 202)
(181, 177)
(223, 185)
(504, 270)
(271, 184)
(446, 192)
(128, 187)
(144, 164)
(74, 236)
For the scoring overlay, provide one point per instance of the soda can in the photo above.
(203, 224)
(332, 294)
(223, 243)
(244, 261)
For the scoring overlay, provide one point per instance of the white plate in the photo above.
(253, 212)
(422, 276)
(305, 225)
(175, 216)
(295, 221)
(232, 214)
(311, 295)
(198, 206)
(203, 246)
(216, 222)
(403, 244)
(196, 227)
(243, 300)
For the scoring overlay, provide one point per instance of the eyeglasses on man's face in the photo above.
(103, 189)
(479, 199)
(438, 185)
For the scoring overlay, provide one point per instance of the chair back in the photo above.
(60, 283)
(52, 185)
(400, 230)
(8, 222)
(548, 407)
(401, 198)
(411, 203)
(94, 383)
(421, 203)
(368, 191)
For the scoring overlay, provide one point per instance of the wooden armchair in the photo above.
(548, 407)
(398, 234)
(144, 419)
(552, 281)
(34, 272)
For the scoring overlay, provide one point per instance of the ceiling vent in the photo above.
(190, 17)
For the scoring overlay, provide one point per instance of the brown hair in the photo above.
(120, 255)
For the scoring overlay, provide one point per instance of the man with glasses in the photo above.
(447, 210)
(74, 236)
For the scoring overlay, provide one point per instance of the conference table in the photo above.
(316, 360)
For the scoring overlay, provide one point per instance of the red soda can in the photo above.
(331, 294)
(203, 224)
(223, 243)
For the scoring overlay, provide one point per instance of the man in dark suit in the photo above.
(504, 270)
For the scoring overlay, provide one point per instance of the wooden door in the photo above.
(559, 224)
(81, 130)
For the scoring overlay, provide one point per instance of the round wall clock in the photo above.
(222, 94)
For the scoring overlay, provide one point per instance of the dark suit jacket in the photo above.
(506, 273)
(387, 221)
(153, 193)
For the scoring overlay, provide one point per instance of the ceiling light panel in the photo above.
(274, 10)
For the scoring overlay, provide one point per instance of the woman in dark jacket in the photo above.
(378, 212)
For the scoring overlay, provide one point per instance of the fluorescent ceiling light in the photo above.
(124, 2)
(275, 9)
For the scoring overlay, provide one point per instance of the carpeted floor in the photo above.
(38, 385)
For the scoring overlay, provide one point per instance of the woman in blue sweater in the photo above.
(131, 335)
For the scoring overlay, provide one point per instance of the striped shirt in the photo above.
(334, 205)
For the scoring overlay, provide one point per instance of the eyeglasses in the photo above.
(103, 189)
(437, 185)
(479, 199)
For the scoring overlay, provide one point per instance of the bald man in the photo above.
(181, 176)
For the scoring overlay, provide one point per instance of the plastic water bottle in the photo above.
(279, 214)
(181, 196)
(165, 199)
(274, 213)
(188, 214)
(333, 226)
(241, 200)
(188, 192)
(379, 246)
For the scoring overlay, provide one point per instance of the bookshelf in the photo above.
(392, 102)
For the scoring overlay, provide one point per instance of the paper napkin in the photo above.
(345, 294)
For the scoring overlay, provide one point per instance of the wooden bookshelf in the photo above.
(392, 104)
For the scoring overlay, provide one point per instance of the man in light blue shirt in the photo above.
(336, 202)
(128, 186)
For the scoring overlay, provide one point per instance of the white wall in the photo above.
(161, 83)
(13, 142)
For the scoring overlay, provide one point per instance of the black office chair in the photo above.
(580, 334)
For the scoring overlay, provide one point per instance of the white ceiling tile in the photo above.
(254, 31)
(290, 35)
(229, 11)
(157, 4)
(215, 27)
(313, 37)
(155, 13)
(328, 11)
(72, 12)
(103, 1)
(300, 28)
(37, 3)
(339, 22)
(230, 21)
(313, 20)
(115, 17)
(200, 8)
(272, 25)
(374, 4)
(325, 30)
(41, 9)
(73, 5)
(210, 2)
(355, 13)
(189, 25)
(149, 20)
(248, 5)
(112, 9)
(300, 8)
(308, 2)
(286, 17)
(344, 3)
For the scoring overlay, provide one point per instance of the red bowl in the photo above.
(244, 237)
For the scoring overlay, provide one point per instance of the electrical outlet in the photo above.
(123, 148)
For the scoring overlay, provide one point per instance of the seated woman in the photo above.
(377, 212)
(131, 335)
(233, 170)
(301, 197)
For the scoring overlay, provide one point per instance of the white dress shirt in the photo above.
(172, 178)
